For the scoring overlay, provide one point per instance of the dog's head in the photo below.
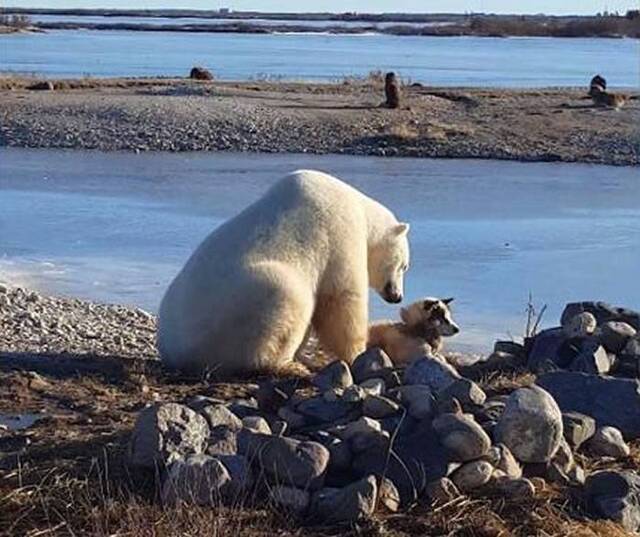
(430, 315)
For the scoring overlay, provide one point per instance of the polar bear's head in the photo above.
(388, 262)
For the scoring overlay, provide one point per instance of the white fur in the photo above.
(303, 255)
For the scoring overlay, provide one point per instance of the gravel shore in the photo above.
(346, 118)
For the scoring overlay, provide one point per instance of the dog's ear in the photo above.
(447, 301)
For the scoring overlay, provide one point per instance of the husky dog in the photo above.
(597, 85)
(424, 324)
(606, 99)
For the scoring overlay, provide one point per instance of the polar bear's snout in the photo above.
(391, 294)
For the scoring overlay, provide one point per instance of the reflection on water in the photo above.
(117, 227)
(450, 61)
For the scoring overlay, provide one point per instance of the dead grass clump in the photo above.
(403, 131)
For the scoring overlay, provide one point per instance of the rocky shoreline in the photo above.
(345, 118)
(539, 438)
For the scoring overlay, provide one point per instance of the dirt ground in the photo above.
(347, 117)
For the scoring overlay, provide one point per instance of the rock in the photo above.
(274, 394)
(418, 399)
(616, 334)
(370, 364)
(531, 425)
(197, 479)
(373, 386)
(592, 359)
(442, 490)
(245, 407)
(217, 415)
(509, 347)
(44, 85)
(490, 411)
(335, 375)
(200, 73)
(166, 432)
(462, 437)
(615, 496)
(467, 392)
(257, 424)
(293, 419)
(549, 351)
(472, 475)
(388, 495)
(608, 442)
(603, 313)
(515, 489)
(286, 461)
(241, 477)
(630, 357)
(319, 411)
(222, 441)
(354, 394)
(580, 325)
(363, 425)
(562, 468)
(290, 499)
(378, 406)
(610, 401)
(432, 373)
(577, 428)
(339, 451)
(501, 458)
(346, 505)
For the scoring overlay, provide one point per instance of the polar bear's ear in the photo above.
(400, 230)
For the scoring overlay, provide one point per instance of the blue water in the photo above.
(117, 227)
(449, 61)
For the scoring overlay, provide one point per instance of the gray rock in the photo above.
(290, 499)
(610, 401)
(373, 386)
(286, 461)
(166, 432)
(372, 363)
(431, 372)
(592, 359)
(273, 394)
(462, 437)
(512, 348)
(580, 325)
(353, 394)
(293, 419)
(335, 375)
(531, 425)
(339, 451)
(362, 425)
(616, 334)
(502, 459)
(346, 505)
(615, 496)
(472, 475)
(318, 410)
(388, 495)
(442, 490)
(603, 313)
(608, 442)
(578, 428)
(418, 399)
(241, 477)
(257, 424)
(378, 406)
(197, 479)
(467, 392)
(217, 415)
(222, 441)
(515, 489)
(549, 351)
(630, 357)
(562, 468)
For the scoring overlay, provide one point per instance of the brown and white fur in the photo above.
(424, 324)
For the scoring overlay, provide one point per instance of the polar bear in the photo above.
(303, 256)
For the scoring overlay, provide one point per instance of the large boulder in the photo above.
(430, 372)
(166, 432)
(197, 479)
(372, 363)
(550, 350)
(603, 313)
(615, 496)
(462, 437)
(610, 401)
(286, 461)
(531, 425)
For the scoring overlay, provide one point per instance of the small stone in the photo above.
(512, 348)
(580, 325)
(257, 424)
(615, 496)
(531, 425)
(463, 438)
(217, 415)
(378, 407)
(472, 475)
(515, 489)
(273, 394)
(293, 419)
(388, 495)
(616, 334)
(318, 410)
(373, 386)
(354, 394)
(166, 432)
(290, 499)
(502, 459)
(418, 399)
(198, 479)
(346, 505)
(442, 490)
(363, 425)
(432, 373)
(608, 442)
(592, 359)
(467, 392)
(370, 364)
(335, 375)
(578, 428)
